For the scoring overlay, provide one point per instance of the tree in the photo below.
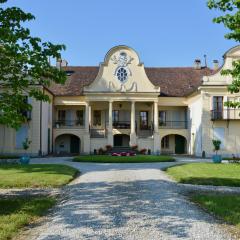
(24, 66)
(231, 20)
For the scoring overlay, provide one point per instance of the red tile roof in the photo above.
(174, 82)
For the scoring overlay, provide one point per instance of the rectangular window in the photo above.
(218, 107)
(165, 142)
(219, 134)
(21, 135)
(162, 115)
(79, 115)
(143, 120)
(27, 113)
(61, 115)
(97, 120)
(115, 116)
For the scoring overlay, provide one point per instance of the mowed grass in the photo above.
(19, 212)
(35, 175)
(123, 159)
(225, 207)
(207, 174)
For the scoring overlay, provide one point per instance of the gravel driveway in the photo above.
(126, 201)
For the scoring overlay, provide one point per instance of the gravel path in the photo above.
(126, 202)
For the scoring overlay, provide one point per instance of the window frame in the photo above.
(97, 120)
(61, 117)
(165, 142)
(164, 121)
(144, 119)
(115, 116)
(80, 117)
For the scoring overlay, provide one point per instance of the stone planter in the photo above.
(25, 160)
(217, 158)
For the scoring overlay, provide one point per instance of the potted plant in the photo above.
(25, 158)
(216, 158)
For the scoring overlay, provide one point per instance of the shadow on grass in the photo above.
(40, 168)
(215, 181)
(15, 213)
(34, 206)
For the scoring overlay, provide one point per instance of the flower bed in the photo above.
(124, 154)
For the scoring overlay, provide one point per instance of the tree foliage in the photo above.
(231, 20)
(24, 65)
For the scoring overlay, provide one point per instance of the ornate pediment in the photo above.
(121, 71)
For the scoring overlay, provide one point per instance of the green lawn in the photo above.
(207, 174)
(19, 212)
(226, 207)
(123, 159)
(35, 175)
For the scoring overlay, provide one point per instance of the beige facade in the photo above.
(122, 107)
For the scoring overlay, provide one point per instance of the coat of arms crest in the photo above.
(122, 71)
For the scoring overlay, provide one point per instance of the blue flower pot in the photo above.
(217, 158)
(25, 160)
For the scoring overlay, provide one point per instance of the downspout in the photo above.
(53, 114)
(40, 151)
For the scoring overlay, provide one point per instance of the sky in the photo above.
(164, 33)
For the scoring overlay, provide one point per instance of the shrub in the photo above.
(109, 147)
(143, 151)
(26, 144)
(100, 151)
(217, 145)
(134, 147)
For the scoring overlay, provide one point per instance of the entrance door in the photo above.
(179, 144)
(121, 140)
(118, 140)
(74, 144)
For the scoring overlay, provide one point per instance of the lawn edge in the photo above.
(229, 227)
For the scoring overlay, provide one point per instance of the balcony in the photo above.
(225, 114)
(173, 124)
(122, 125)
(68, 124)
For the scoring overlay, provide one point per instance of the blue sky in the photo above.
(164, 33)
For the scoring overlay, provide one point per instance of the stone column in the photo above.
(110, 128)
(156, 135)
(86, 138)
(156, 120)
(133, 138)
(87, 117)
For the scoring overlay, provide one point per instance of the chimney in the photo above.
(61, 63)
(58, 63)
(64, 63)
(215, 65)
(197, 64)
